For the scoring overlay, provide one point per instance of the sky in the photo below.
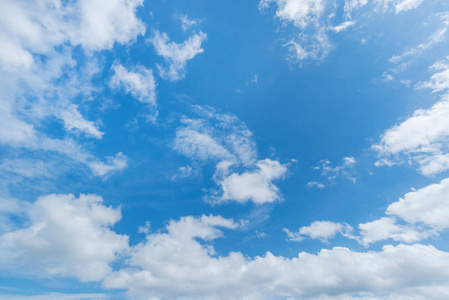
(267, 149)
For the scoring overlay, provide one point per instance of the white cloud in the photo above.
(343, 26)
(312, 184)
(438, 36)
(74, 120)
(351, 5)
(345, 170)
(400, 5)
(254, 185)
(312, 42)
(183, 254)
(37, 27)
(386, 228)
(41, 78)
(139, 82)
(300, 12)
(423, 137)
(323, 230)
(176, 55)
(187, 23)
(429, 205)
(114, 163)
(226, 141)
(65, 236)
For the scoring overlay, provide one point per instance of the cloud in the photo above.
(253, 185)
(73, 120)
(438, 36)
(43, 79)
(429, 206)
(386, 228)
(187, 23)
(312, 184)
(423, 137)
(184, 253)
(176, 55)
(139, 83)
(224, 140)
(65, 236)
(114, 163)
(37, 27)
(345, 170)
(323, 230)
(343, 26)
(400, 5)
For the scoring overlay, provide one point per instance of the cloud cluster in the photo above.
(423, 137)
(63, 235)
(314, 19)
(226, 141)
(43, 76)
(200, 273)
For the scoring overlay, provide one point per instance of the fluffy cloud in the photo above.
(429, 205)
(226, 141)
(200, 273)
(139, 83)
(176, 55)
(36, 27)
(253, 185)
(300, 12)
(323, 230)
(423, 137)
(41, 76)
(65, 236)
(386, 228)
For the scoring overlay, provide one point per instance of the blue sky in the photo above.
(273, 149)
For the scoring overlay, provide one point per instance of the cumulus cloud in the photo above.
(429, 206)
(386, 228)
(323, 230)
(253, 185)
(184, 253)
(423, 137)
(37, 27)
(176, 55)
(224, 140)
(66, 236)
(139, 83)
